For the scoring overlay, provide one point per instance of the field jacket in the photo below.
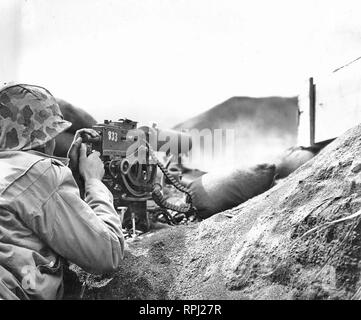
(43, 221)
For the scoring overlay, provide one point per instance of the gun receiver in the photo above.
(130, 164)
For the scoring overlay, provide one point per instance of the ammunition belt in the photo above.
(158, 196)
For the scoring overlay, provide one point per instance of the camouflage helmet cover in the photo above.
(29, 117)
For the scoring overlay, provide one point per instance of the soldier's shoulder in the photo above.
(22, 170)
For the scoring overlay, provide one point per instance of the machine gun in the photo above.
(130, 163)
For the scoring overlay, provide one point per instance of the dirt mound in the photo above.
(299, 240)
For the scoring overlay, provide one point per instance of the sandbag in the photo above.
(63, 143)
(77, 116)
(218, 191)
(292, 159)
(187, 174)
(79, 119)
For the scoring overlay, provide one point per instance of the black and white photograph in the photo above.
(183, 154)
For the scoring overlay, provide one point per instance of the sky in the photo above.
(164, 61)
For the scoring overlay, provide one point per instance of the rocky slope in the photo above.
(299, 240)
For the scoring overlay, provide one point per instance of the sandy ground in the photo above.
(299, 240)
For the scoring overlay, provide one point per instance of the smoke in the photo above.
(236, 146)
(242, 131)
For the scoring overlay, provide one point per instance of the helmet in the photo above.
(29, 117)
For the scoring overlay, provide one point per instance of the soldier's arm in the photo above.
(88, 234)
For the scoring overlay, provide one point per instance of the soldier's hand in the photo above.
(73, 153)
(90, 133)
(90, 167)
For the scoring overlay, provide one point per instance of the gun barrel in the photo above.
(169, 141)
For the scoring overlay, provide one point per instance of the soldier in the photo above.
(43, 220)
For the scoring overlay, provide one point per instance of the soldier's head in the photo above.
(30, 118)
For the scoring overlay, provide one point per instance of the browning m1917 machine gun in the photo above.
(131, 166)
